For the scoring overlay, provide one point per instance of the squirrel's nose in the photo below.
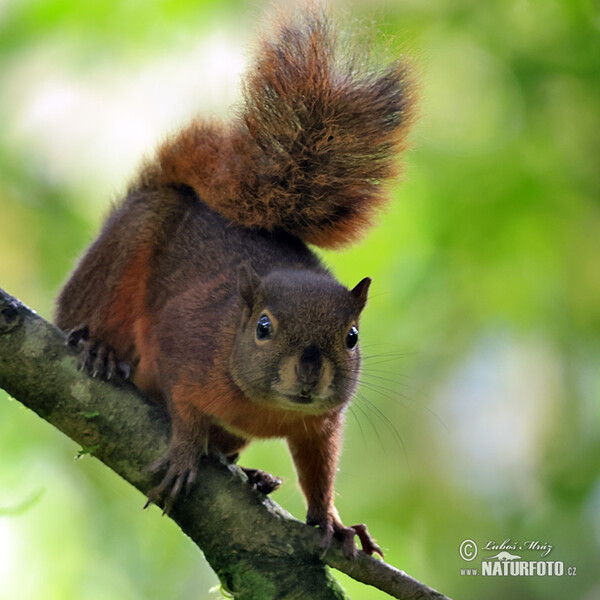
(309, 369)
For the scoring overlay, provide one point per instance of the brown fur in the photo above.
(315, 451)
(314, 145)
(212, 236)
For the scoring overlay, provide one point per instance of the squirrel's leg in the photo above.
(316, 457)
(189, 443)
(97, 357)
(196, 435)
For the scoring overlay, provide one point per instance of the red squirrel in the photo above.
(202, 282)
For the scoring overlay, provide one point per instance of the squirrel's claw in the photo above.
(181, 474)
(328, 532)
(262, 481)
(96, 357)
(367, 542)
(332, 528)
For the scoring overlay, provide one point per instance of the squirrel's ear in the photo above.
(248, 282)
(360, 293)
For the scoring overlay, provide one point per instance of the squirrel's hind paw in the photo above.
(96, 357)
(262, 481)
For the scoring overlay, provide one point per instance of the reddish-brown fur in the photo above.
(307, 160)
(315, 144)
(127, 301)
(237, 413)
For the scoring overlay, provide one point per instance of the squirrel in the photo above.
(201, 286)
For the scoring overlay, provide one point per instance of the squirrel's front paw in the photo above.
(181, 472)
(331, 526)
(96, 357)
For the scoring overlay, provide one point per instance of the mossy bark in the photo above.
(257, 549)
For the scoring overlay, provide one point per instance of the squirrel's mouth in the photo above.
(311, 404)
(302, 399)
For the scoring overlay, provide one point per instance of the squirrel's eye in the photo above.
(352, 337)
(264, 328)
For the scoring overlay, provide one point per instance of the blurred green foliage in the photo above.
(479, 416)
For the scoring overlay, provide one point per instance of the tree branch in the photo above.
(257, 549)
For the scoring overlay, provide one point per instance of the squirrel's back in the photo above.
(313, 147)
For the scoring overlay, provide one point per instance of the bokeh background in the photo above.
(479, 417)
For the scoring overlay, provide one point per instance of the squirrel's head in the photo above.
(297, 345)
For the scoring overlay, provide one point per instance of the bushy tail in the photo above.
(314, 143)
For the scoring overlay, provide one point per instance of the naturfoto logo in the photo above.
(506, 562)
